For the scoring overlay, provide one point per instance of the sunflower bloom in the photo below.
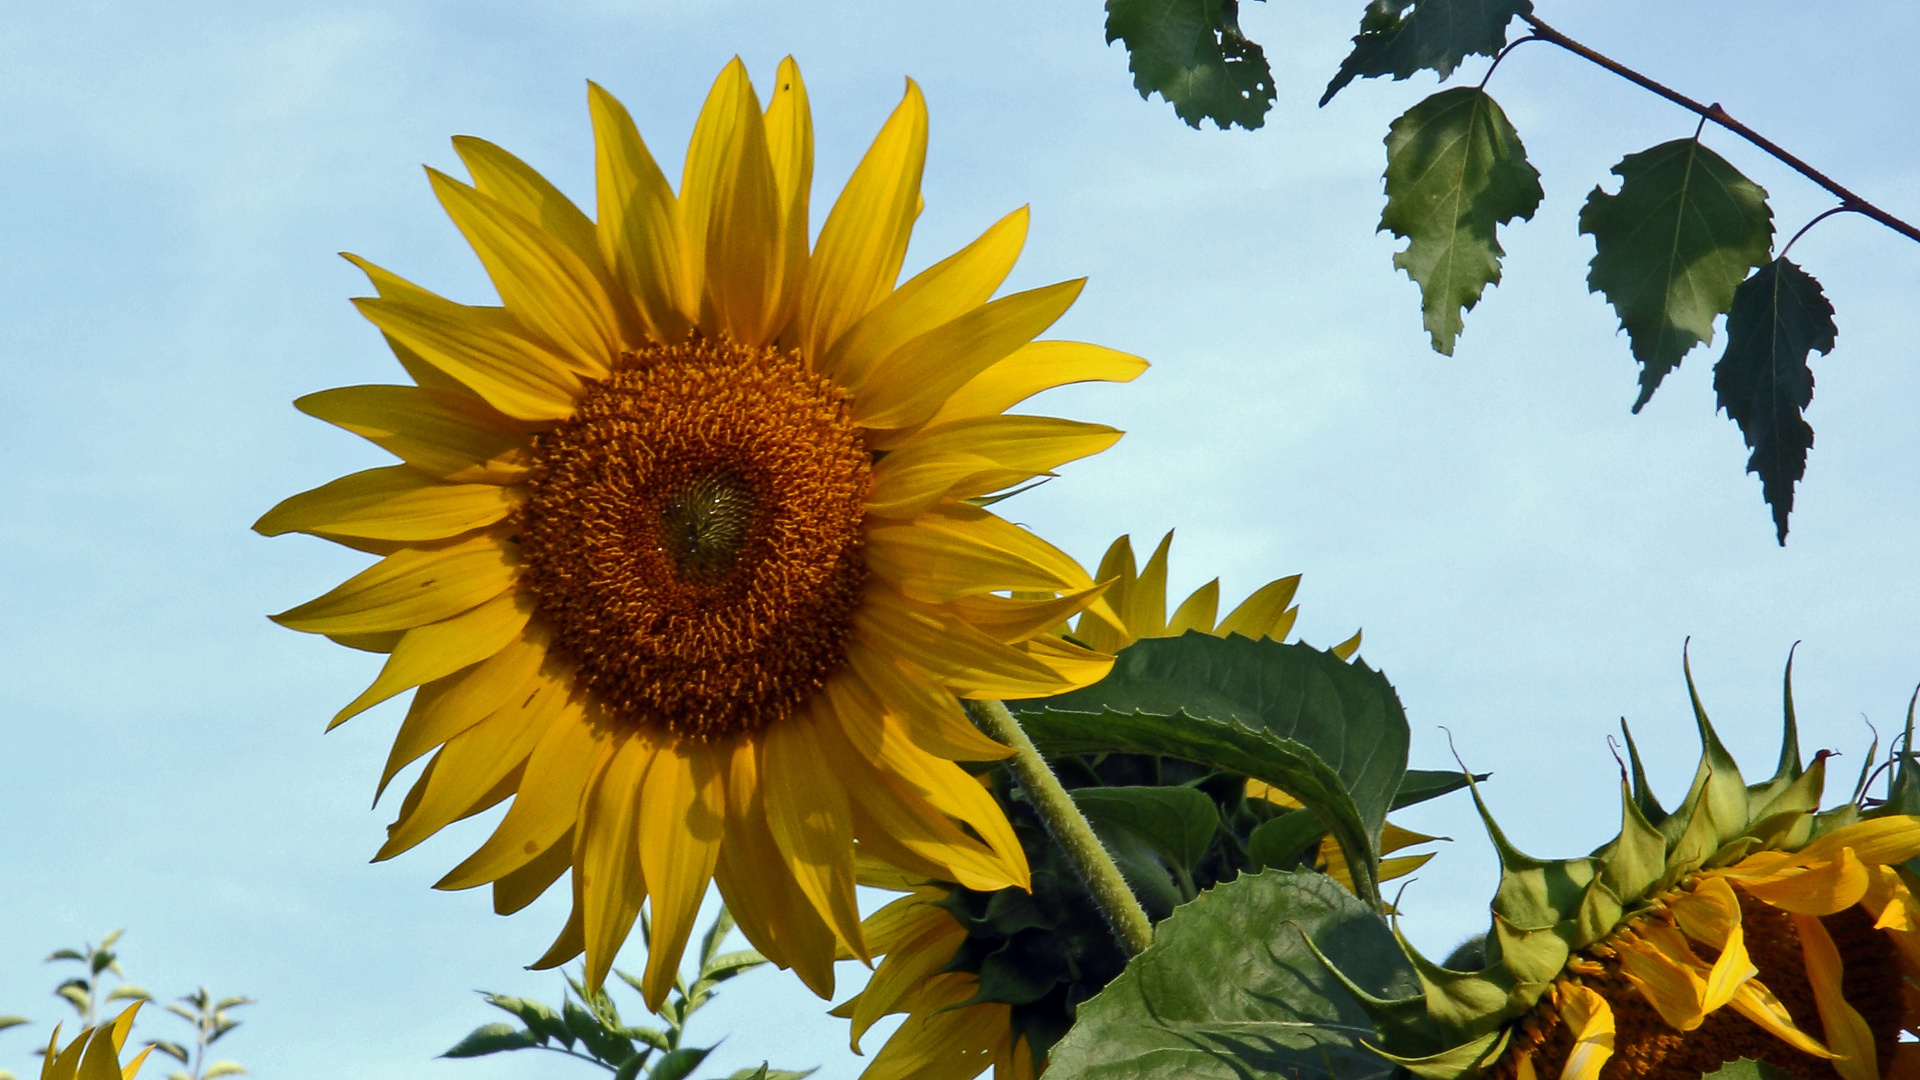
(94, 1054)
(994, 979)
(686, 552)
(1747, 924)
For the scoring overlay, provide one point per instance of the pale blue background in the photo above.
(1525, 556)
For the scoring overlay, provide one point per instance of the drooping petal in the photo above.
(639, 221)
(858, 256)
(520, 377)
(682, 819)
(1590, 1018)
(1831, 885)
(410, 588)
(958, 550)
(398, 502)
(1757, 1003)
(443, 438)
(449, 706)
(1657, 961)
(807, 813)
(1886, 840)
(1847, 1033)
(974, 457)
(937, 1043)
(908, 964)
(547, 804)
(789, 124)
(606, 860)
(516, 889)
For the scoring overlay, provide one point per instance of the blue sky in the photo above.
(1525, 556)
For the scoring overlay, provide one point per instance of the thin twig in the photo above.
(1713, 112)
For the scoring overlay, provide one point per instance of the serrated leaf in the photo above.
(678, 1064)
(1228, 991)
(492, 1039)
(1400, 37)
(1179, 822)
(1779, 315)
(223, 1068)
(1671, 248)
(1192, 53)
(1455, 172)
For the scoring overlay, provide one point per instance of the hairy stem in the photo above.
(1068, 828)
(1848, 200)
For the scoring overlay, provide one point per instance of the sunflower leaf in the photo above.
(1400, 37)
(1419, 785)
(1179, 822)
(1671, 248)
(1746, 1069)
(1192, 53)
(1455, 171)
(1779, 315)
(1229, 989)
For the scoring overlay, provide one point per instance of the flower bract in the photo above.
(687, 552)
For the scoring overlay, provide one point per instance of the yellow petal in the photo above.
(410, 588)
(1392, 869)
(1847, 1034)
(514, 891)
(606, 856)
(1394, 838)
(682, 815)
(1264, 614)
(1197, 611)
(1072, 665)
(1821, 889)
(963, 659)
(857, 259)
(1117, 567)
(957, 550)
(975, 457)
(436, 650)
(1590, 1018)
(744, 261)
(1347, 648)
(808, 816)
(1523, 1067)
(930, 717)
(759, 889)
(911, 383)
(1658, 962)
(1709, 913)
(1010, 620)
(939, 294)
(572, 939)
(1890, 902)
(908, 964)
(471, 763)
(1032, 368)
(441, 437)
(449, 706)
(1145, 609)
(789, 124)
(1755, 1002)
(547, 804)
(1886, 840)
(1260, 789)
(941, 1044)
(639, 221)
(548, 288)
(517, 186)
(398, 502)
(715, 135)
(510, 372)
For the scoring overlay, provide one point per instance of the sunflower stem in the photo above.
(1068, 828)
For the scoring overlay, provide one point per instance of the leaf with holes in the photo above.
(1192, 53)
(1779, 316)
(1400, 37)
(1455, 171)
(1672, 247)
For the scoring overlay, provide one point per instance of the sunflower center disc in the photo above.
(692, 536)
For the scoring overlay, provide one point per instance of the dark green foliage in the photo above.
(589, 1027)
(1671, 248)
(1191, 52)
(1229, 990)
(1746, 1069)
(1779, 315)
(1400, 37)
(1455, 171)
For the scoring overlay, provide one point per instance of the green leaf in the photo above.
(1455, 171)
(172, 1049)
(1400, 37)
(1419, 785)
(1192, 53)
(123, 992)
(1779, 315)
(610, 1047)
(1330, 733)
(630, 1069)
(223, 1068)
(538, 1017)
(764, 1073)
(678, 1064)
(65, 954)
(1672, 247)
(1229, 991)
(12, 1021)
(491, 1039)
(716, 934)
(1179, 822)
(1280, 843)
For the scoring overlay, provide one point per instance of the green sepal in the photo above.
(1463, 1062)
(1802, 795)
(1638, 856)
(1397, 1018)
(1463, 1004)
(1650, 807)
(1717, 783)
(1837, 818)
(1600, 911)
(1903, 790)
(1533, 955)
(1534, 894)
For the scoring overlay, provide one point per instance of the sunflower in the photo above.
(994, 978)
(687, 552)
(94, 1054)
(1745, 925)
